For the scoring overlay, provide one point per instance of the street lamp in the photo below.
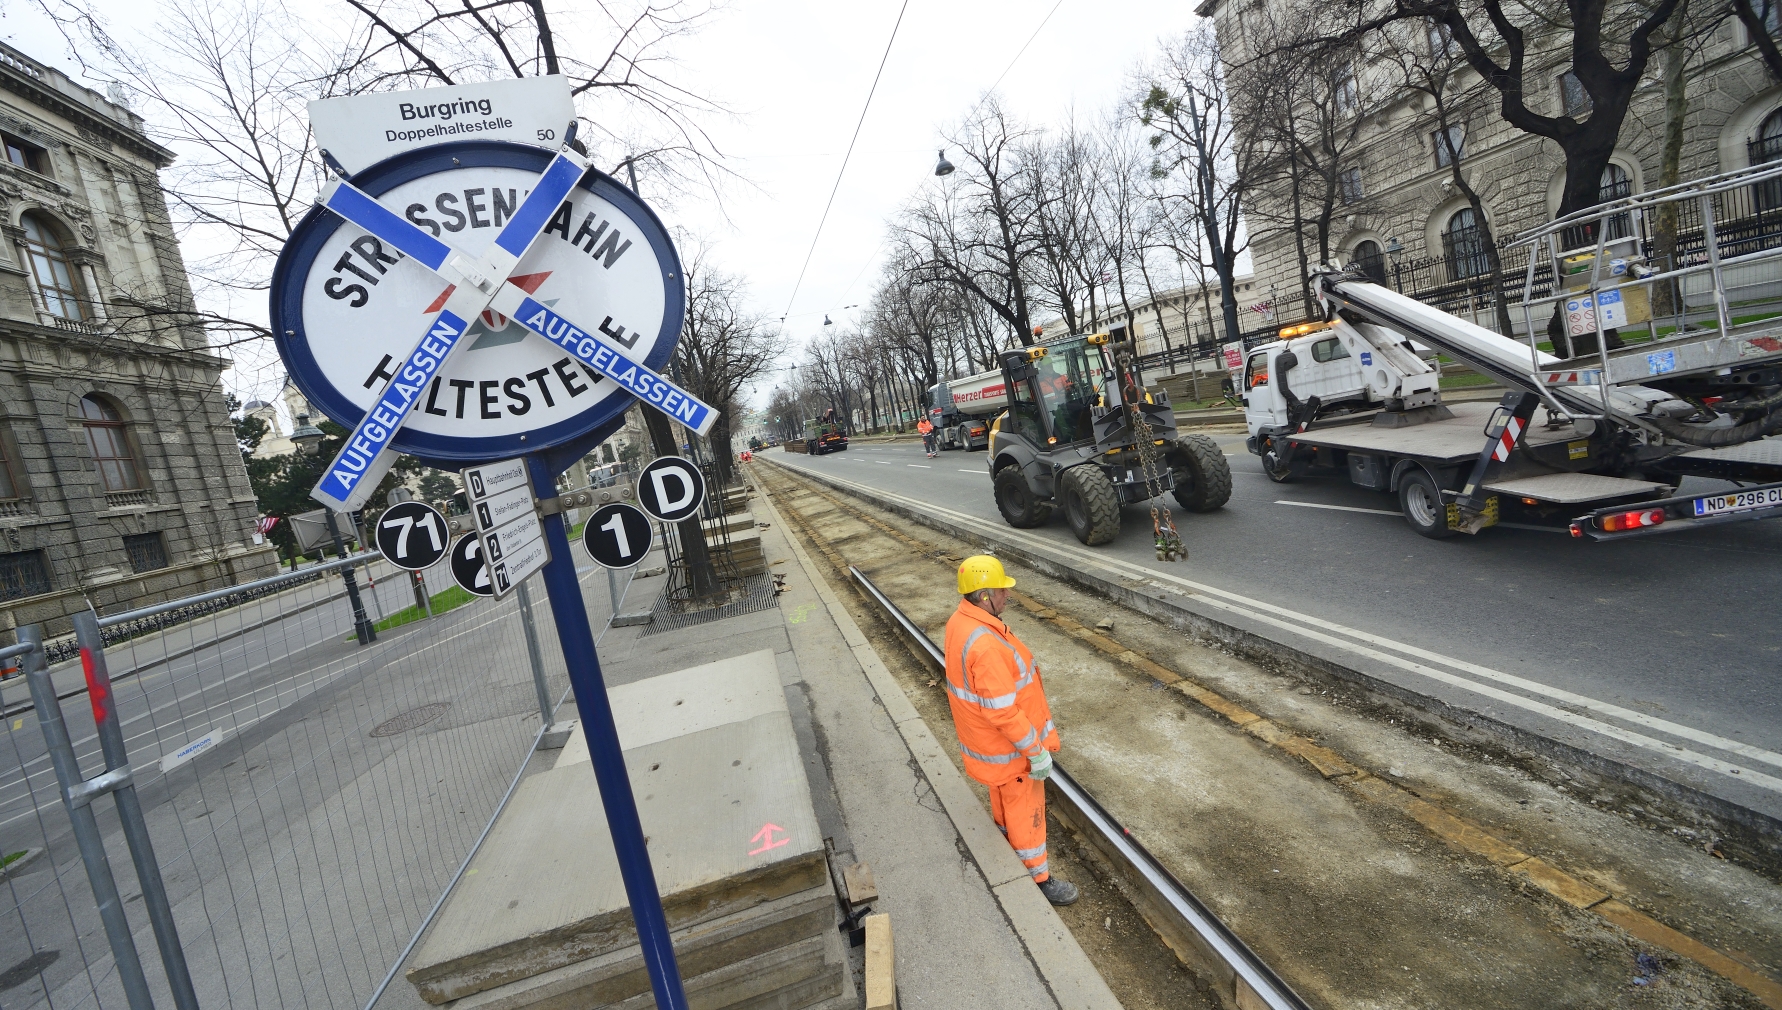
(308, 439)
(1393, 248)
(943, 167)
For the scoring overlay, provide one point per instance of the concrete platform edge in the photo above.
(1066, 970)
(1761, 830)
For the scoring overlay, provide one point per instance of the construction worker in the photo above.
(1000, 712)
(927, 431)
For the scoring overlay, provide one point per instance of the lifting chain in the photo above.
(1163, 525)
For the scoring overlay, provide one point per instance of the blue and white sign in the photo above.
(395, 308)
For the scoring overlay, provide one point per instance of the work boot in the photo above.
(1058, 892)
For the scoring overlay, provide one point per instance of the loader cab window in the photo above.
(1066, 383)
(1256, 372)
(1024, 414)
(1329, 350)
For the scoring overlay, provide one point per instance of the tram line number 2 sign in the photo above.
(507, 522)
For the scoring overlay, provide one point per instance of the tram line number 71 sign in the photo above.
(478, 285)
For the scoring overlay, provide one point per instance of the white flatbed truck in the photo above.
(1622, 426)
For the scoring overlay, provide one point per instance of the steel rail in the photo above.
(1192, 918)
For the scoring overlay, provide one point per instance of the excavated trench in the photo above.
(1369, 864)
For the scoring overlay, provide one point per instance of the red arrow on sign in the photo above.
(765, 837)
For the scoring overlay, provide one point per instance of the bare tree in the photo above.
(1430, 66)
(723, 347)
(976, 230)
(226, 84)
(1610, 43)
(1188, 108)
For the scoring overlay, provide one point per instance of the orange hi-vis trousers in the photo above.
(1019, 809)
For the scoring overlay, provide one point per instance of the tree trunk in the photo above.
(1667, 295)
(701, 577)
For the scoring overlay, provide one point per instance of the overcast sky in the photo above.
(797, 73)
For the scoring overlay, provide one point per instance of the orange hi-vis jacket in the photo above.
(923, 426)
(999, 704)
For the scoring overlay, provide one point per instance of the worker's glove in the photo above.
(1040, 767)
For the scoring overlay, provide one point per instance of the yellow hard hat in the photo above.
(981, 571)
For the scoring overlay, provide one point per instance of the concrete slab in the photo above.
(739, 939)
(661, 708)
(725, 807)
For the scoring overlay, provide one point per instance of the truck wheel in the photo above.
(1271, 465)
(1090, 505)
(1203, 477)
(962, 437)
(1017, 502)
(1421, 502)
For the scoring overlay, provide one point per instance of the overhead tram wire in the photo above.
(844, 165)
(974, 107)
(1018, 55)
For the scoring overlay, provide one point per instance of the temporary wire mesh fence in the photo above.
(308, 798)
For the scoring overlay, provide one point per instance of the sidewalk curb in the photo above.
(1063, 966)
(1756, 832)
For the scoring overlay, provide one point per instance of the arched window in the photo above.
(1464, 246)
(56, 278)
(1370, 261)
(1614, 184)
(110, 445)
(1767, 148)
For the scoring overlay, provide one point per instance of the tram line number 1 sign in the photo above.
(507, 522)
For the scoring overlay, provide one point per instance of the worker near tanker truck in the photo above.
(1000, 714)
(927, 431)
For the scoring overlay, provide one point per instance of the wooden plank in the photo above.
(861, 888)
(881, 967)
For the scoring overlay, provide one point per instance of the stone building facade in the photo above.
(121, 483)
(1396, 191)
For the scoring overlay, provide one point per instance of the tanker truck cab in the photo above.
(1068, 438)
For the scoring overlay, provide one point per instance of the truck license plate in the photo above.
(1739, 501)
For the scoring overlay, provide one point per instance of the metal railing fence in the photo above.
(303, 801)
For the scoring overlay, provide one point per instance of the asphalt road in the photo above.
(303, 848)
(1669, 640)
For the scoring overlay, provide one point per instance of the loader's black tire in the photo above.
(1421, 501)
(1203, 477)
(1091, 505)
(1019, 506)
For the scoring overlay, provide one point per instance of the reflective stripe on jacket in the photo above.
(998, 701)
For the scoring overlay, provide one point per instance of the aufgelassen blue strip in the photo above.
(548, 193)
(387, 226)
(380, 423)
(599, 355)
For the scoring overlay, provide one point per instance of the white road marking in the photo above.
(1297, 623)
(920, 466)
(1339, 508)
(885, 461)
(970, 470)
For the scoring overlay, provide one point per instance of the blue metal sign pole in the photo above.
(576, 637)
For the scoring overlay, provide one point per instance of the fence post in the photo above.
(136, 834)
(362, 625)
(77, 795)
(533, 657)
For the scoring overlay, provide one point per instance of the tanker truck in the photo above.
(961, 409)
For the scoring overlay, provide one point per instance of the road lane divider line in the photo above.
(1362, 640)
(1453, 829)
